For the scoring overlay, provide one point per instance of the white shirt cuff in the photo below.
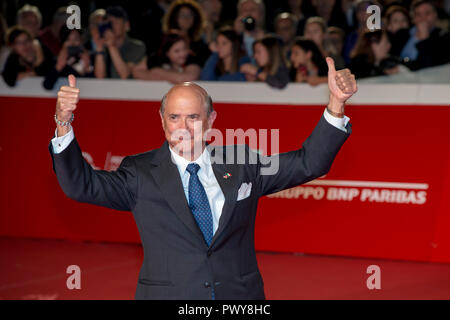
(61, 143)
(339, 123)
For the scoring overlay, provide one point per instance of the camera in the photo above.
(102, 27)
(74, 51)
(249, 23)
(390, 62)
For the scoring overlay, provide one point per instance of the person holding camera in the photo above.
(250, 22)
(26, 58)
(115, 52)
(73, 58)
(371, 56)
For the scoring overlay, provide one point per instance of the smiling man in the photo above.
(196, 217)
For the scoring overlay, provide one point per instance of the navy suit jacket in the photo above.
(177, 262)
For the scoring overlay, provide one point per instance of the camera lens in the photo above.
(249, 23)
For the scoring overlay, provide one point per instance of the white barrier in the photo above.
(371, 91)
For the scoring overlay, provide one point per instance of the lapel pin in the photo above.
(227, 175)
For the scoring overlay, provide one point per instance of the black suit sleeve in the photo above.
(313, 160)
(80, 182)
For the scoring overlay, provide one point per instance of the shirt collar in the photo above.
(204, 161)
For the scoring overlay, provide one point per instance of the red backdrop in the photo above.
(349, 213)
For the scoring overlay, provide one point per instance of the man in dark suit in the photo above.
(194, 204)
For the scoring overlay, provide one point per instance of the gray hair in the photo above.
(208, 104)
(29, 9)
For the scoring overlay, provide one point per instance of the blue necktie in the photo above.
(198, 202)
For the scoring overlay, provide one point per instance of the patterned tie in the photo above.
(198, 202)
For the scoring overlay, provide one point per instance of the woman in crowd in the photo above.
(26, 59)
(172, 63)
(187, 17)
(316, 30)
(271, 63)
(4, 49)
(308, 64)
(227, 57)
(396, 19)
(72, 59)
(360, 16)
(371, 56)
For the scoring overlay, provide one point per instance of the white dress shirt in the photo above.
(208, 180)
(206, 175)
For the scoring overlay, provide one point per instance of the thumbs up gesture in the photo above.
(342, 83)
(68, 97)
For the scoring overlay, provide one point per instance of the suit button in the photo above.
(207, 284)
(209, 253)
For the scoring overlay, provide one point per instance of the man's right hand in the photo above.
(66, 104)
(110, 39)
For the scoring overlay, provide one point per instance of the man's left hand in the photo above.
(342, 85)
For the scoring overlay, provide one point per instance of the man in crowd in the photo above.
(115, 51)
(425, 44)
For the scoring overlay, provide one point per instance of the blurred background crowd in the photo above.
(276, 42)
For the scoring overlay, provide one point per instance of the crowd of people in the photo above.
(188, 40)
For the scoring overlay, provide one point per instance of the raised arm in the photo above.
(314, 159)
(78, 180)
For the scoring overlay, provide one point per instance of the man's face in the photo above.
(314, 32)
(285, 28)
(30, 21)
(336, 40)
(119, 26)
(185, 119)
(252, 9)
(212, 8)
(425, 14)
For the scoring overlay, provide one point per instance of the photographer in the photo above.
(72, 59)
(26, 59)
(371, 57)
(115, 52)
(250, 22)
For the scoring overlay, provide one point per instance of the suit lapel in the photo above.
(168, 178)
(229, 186)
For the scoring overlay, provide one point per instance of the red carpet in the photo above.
(36, 269)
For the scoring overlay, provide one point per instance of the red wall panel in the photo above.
(390, 144)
